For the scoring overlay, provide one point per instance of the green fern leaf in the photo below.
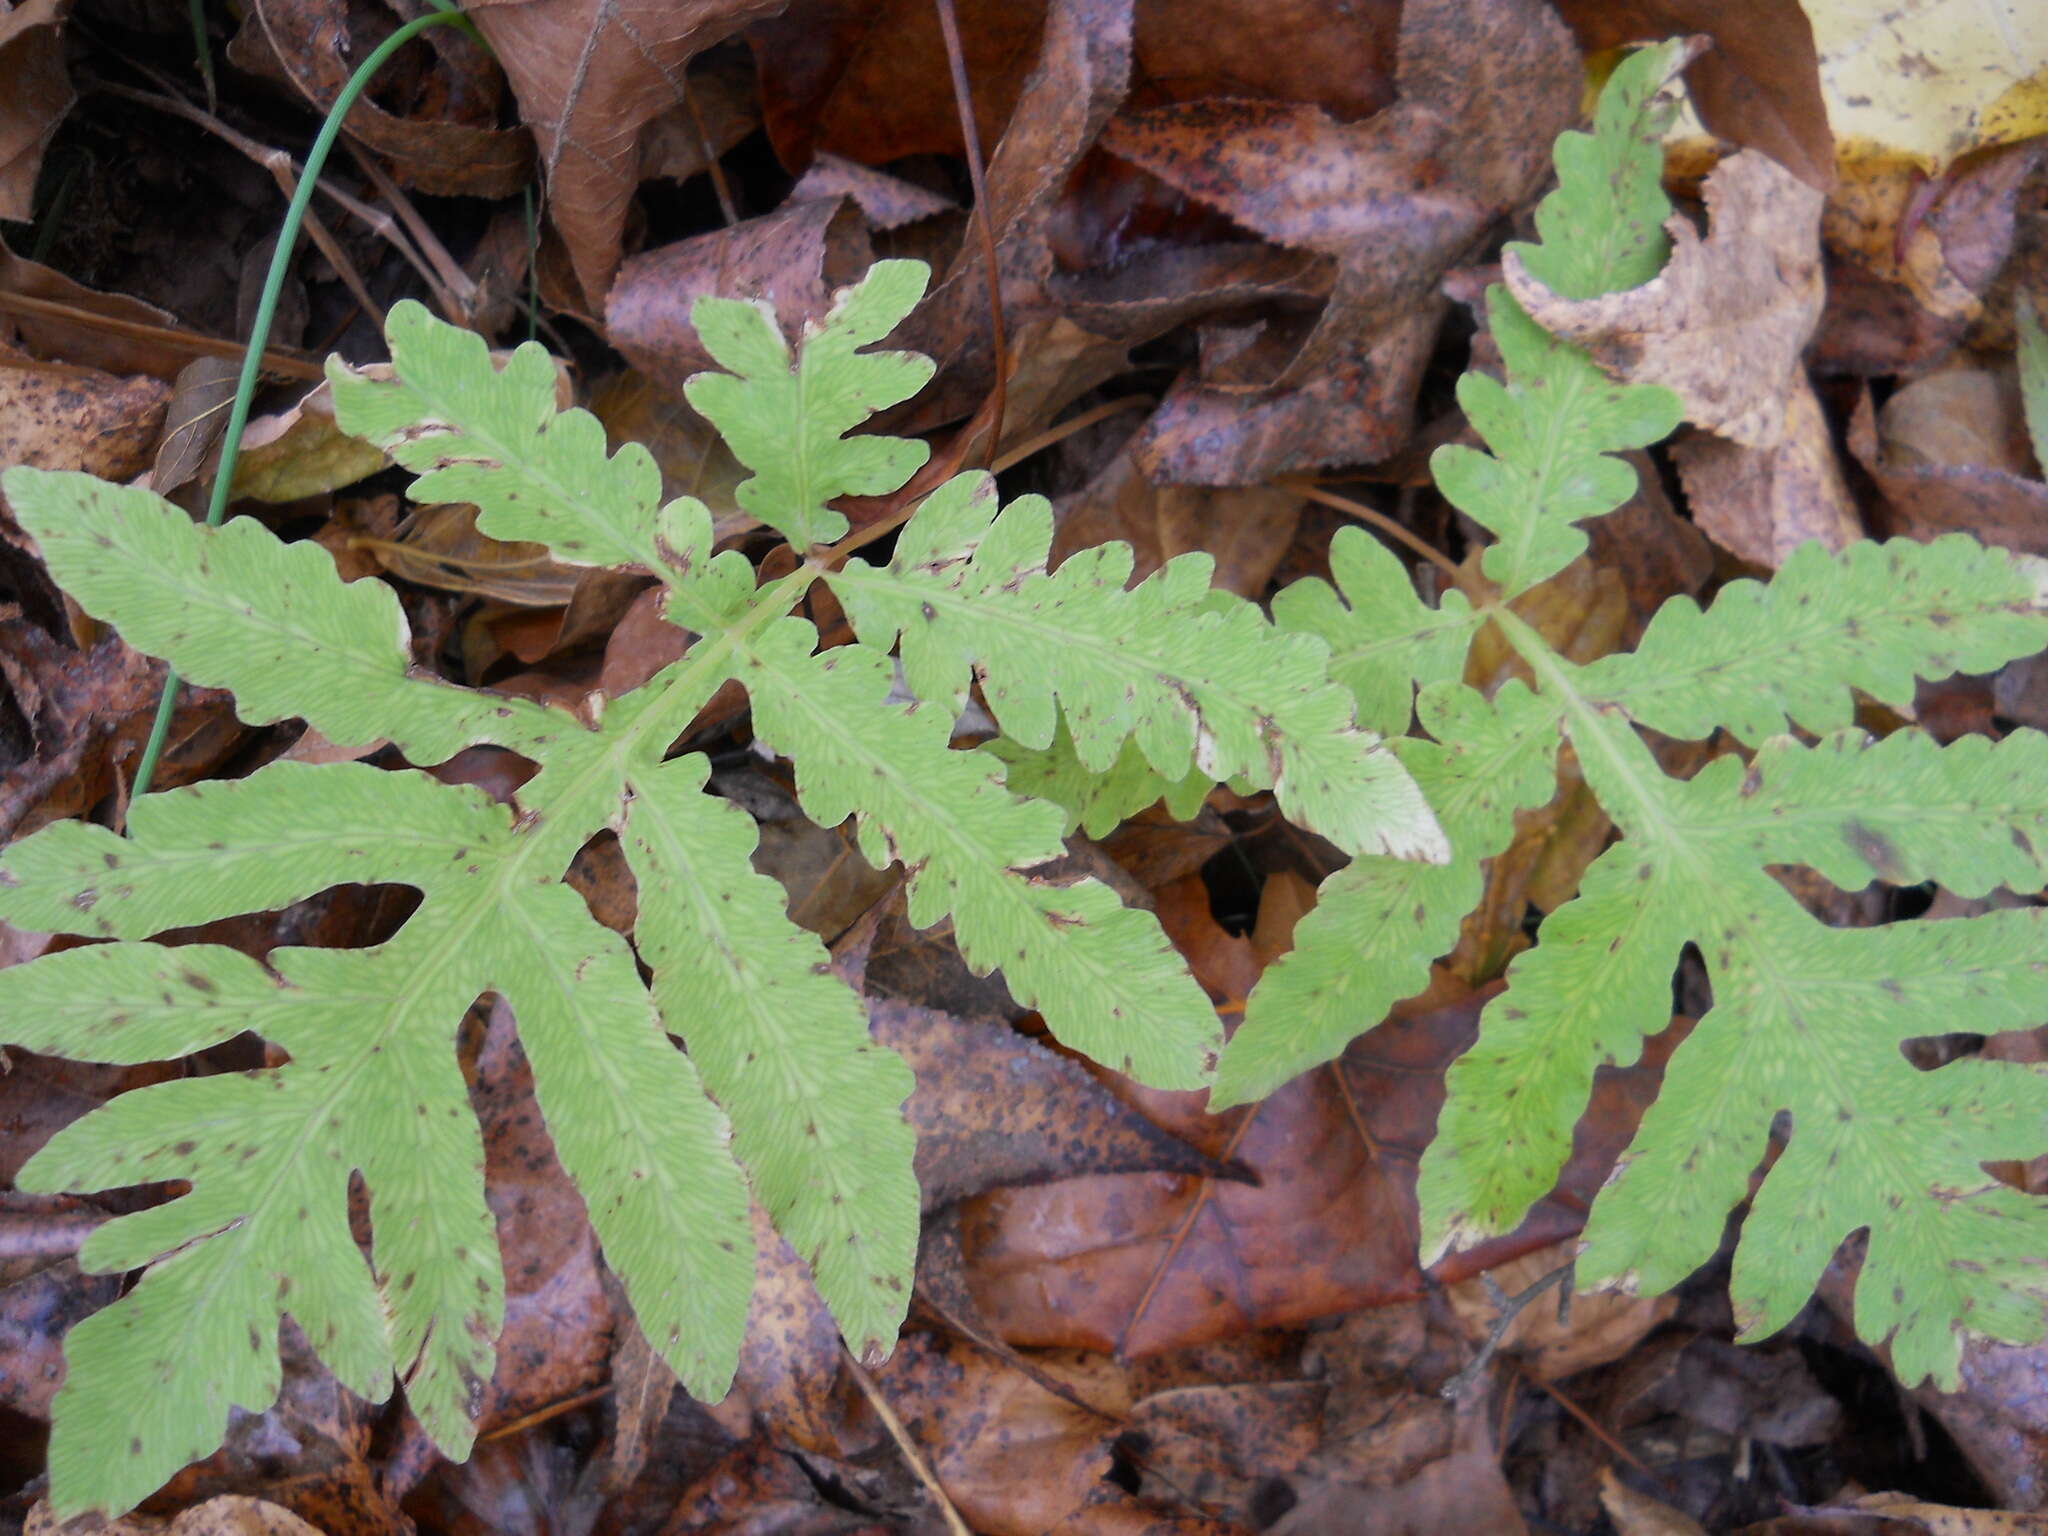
(1101, 973)
(787, 423)
(370, 1083)
(1198, 678)
(234, 607)
(816, 1105)
(1873, 617)
(1096, 802)
(1554, 424)
(1807, 1021)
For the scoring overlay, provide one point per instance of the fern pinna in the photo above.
(779, 1077)
(1107, 699)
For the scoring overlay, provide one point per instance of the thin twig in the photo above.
(1066, 429)
(456, 292)
(904, 1443)
(1187, 1225)
(1372, 516)
(726, 206)
(963, 99)
(548, 1411)
(1594, 1428)
(1507, 1309)
(282, 364)
(379, 223)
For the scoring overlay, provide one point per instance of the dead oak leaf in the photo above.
(1726, 323)
(1397, 200)
(590, 75)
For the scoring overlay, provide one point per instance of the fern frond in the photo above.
(1101, 973)
(1554, 424)
(235, 607)
(786, 421)
(1874, 617)
(1200, 679)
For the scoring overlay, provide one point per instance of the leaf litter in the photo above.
(1240, 228)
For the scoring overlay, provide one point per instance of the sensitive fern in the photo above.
(744, 1067)
(1807, 1021)
(778, 1088)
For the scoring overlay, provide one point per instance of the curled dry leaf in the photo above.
(1912, 262)
(590, 75)
(1760, 504)
(194, 421)
(312, 45)
(1725, 327)
(887, 202)
(1396, 200)
(35, 93)
(795, 258)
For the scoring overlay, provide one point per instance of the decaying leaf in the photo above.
(590, 75)
(35, 93)
(1396, 199)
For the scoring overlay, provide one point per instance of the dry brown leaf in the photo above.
(888, 202)
(1760, 504)
(1396, 200)
(35, 93)
(1725, 323)
(312, 44)
(1015, 1458)
(194, 421)
(1898, 1514)
(228, 1515)
(590, 75)
(721, 107)
(795, 258)
(1912, 263)
(1635, 1513)
(1245, 529)
(1081, 75)
(1924, 501)
(43, 1292)
(992, 1108)
(556, 1340)
(1758, 86)
(76, 340)
(1968, 413)
(300, 451)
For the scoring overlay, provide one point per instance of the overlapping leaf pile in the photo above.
(372, 1082)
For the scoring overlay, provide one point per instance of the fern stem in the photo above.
(259, 332)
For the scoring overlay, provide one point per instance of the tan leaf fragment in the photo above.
(56, 416)
(1760, 504)
(1725, 323)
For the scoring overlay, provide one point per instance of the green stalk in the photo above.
(259, 333)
